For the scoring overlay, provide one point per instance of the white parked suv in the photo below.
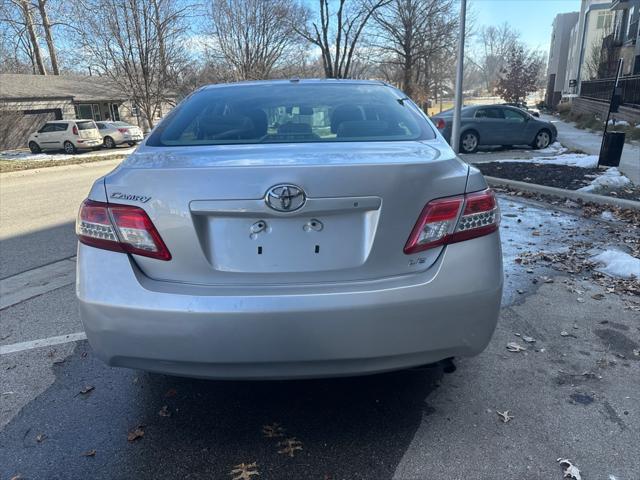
(67, 135)
(117, 133)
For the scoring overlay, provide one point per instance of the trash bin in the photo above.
(611, 149)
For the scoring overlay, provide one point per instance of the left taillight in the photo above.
(454, 219)
(120, 228)
(441, 124)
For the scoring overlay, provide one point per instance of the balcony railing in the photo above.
(601, 90)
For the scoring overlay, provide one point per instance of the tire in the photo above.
(34, 147)
(542, 139)
(69, 147)
(108, 142)
(469, 142)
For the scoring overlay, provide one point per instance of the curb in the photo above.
(72, 166)
(561, 192)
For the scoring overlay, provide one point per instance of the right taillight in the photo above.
(121, 228)
(440, 124)
(75, 130)
(454, 219)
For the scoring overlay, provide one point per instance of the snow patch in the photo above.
(607, 215)
(24, 155)
(570, 159)
(611, 178)
(555, 148)
(617, 264)
(620, 123)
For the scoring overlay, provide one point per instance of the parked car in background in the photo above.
(289, 229)
(117, 133)
(496, 125)
(532, 110)
(67, 135)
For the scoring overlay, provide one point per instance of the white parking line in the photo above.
(43, 342)
(32, 283)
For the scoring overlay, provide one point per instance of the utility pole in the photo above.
(457, 109)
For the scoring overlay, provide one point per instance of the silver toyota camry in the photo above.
(289, 229)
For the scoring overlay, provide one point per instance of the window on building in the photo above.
(96, 114)
(84, 110)
(115, 113)
(604, 20)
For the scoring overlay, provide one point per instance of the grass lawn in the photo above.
(17, 165)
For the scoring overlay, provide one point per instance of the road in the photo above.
(573, 396)
(37, 211)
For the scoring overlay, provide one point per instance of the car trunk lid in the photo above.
(361, 202)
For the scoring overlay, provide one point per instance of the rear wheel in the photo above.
(69, 147)
(542, 140)
(34, 147)
(109, 142)
(469, 142)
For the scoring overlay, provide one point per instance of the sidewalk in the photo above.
(589, 142)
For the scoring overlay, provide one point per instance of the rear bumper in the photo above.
(82, 144)
(297, 332)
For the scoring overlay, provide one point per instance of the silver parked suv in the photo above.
(289, 229)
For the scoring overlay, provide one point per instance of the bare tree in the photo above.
(17, 15)
(338, 34)
(46, 26)
(138, 45)
(521, 74)
(254, 36)
(415, 34)
(496, 43)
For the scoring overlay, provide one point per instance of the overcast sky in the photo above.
(532, 18)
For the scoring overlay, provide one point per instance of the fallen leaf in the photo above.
(570, 470)
(40, 437)
(597, 296)
(136, 434)
(636, 352)
(172, 392)
(520, 291)
(87, 389)
(504, 416)
(515, 347)
(564, 333)
(164, 411)
(273, 430)
(289, 446)
(89, 453)
(528, 339)
(17, 477)
(244, 471)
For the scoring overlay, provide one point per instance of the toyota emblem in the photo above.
(285, 197)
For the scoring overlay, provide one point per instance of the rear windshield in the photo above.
(120, 124)
(292, 113)
(85, 125)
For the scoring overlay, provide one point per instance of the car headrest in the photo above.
(344, 113)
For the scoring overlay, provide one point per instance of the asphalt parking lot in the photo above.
(571, 393)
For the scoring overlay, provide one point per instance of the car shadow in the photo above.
(327, 429)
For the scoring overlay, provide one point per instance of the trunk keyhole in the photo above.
(259, 250)
(317, 248)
